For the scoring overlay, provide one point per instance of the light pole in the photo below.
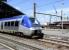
(34, 8)
(55, 11)
(62, 18)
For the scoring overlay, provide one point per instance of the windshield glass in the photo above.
(35, 22)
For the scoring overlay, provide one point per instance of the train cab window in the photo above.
(16, 23)
(32, 19)
(22, 22)
(12, 23)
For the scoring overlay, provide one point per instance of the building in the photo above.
(58, 25)
(7, 10)
(3, 0)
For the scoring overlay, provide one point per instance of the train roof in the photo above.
(11, 18)
(15, 17)
(7, 10)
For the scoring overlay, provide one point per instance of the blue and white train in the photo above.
(21, 25)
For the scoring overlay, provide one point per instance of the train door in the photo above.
(16, 25)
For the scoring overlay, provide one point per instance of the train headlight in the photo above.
(31, 28)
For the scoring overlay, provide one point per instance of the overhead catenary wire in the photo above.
(51, 3)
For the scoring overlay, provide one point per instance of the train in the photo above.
(22, 26)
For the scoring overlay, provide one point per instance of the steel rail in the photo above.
(21, 44)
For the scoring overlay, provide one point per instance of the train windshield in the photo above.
(35, 22)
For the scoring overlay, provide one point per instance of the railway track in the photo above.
(62, 43)
(7, 46)
(15, 45)
(33, 44)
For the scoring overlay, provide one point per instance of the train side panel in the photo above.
(1, 25)
(8, 26)
(25, 30)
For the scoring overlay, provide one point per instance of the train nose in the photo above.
(38, 33)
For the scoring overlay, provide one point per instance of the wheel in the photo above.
(41, 35)
(21, 34)
(17, 33)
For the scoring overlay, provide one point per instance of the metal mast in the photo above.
(62, 20)
(34, 12)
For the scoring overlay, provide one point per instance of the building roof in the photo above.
(59, 23)
(8, 11)
(64, 22)
(3, 0)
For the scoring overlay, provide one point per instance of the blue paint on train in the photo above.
(26, 22)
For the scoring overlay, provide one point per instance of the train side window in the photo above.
(12, 23)
(8, 23)
(5, 23)
(2, 25)
(16, 23)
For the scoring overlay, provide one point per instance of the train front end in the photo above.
(32, 27)
(36, 28)
(37, 33)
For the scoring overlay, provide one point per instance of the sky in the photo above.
(43, 6)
